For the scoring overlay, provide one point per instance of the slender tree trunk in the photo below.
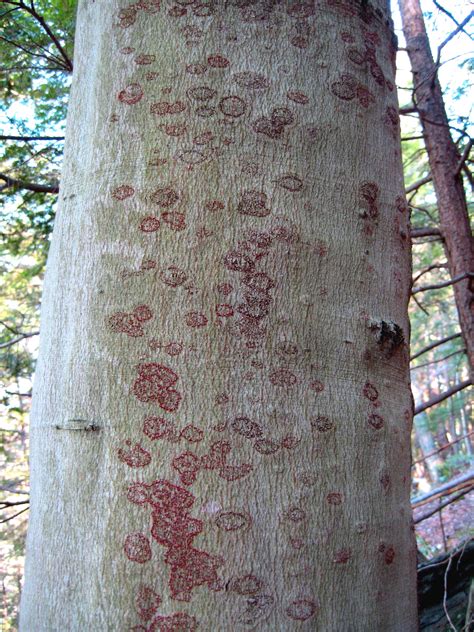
(425, 434)
(452, 419)
(444, 160)
(465, 429)
(222, 412)
(425, 438)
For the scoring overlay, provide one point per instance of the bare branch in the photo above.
(423, 309)
(39, 18)
(408, 109)
(425, 232)
(419, 366)
(434, 266)
(414, 156)
(433, 72)
(28, 138)
(412, 138)
(47, 53)
(435, 344)
(29, 186)
(7, 71)
(450, 15)
(18, 394)
(437, 286)
(445, 591)
(14, 491)
(442, 396)
(444, 447)
(425, 211)
(464, 157)
(9, 11)
(11, 503)
(28, 51)
(468, 173)
(10, 343)
(14, 515)
(9, 327)
(460, 27)
(428, 514)
(419, 183)
(453, 485)
(437, 123)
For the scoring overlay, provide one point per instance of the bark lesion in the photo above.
(388, 335)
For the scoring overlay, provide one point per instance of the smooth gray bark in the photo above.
(222, 411)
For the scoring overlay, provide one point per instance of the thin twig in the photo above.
(12, 393)
(39, 18)
(29, 186)
(45, 50)
(419, 183)
(14, 515)
(427, 456)
(442, 396)
(423, 210)
(430, 513)
(414, 156)
(435, 266)
(438, 286)
(450, 355)
(469, 175)
(28, 51)
(438, 124)
(464, 157)
(435, 344)
(456, 279)
(10, 343)
(8, 503)
(14, 491)
(9, 11)
(423, 309)
(14, 331)
(405, 138)
(452, 486)
(6, 71)
(28, 138)
(450, 15)
(441, 524)
(445, 594)
(460, 27)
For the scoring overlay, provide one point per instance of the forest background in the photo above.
(36, 53)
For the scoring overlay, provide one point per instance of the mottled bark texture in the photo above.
(222, 411)
(444, 160)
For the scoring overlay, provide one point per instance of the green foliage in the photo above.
(33, 34)
(36, 43)
(34, 86)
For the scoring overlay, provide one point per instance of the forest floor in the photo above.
(447, 528)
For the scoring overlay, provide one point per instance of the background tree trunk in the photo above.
(425, 438)
(445, 168)
(222, 411)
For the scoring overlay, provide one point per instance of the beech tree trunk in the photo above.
(444, 160)
(222, 412)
